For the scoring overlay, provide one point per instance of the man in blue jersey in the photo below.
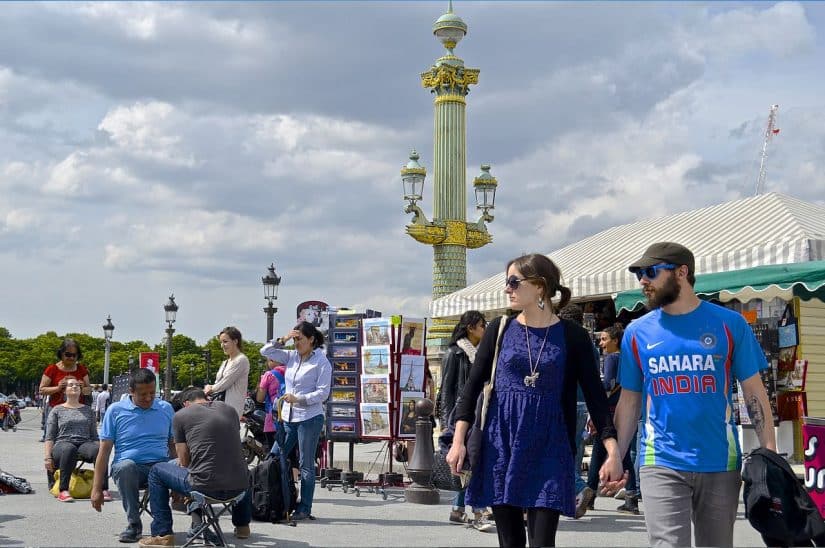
(680, 360)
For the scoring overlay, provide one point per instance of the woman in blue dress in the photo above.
(528, 447)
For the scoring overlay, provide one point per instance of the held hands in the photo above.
(291, 335)
(611, 476)
(455, 458)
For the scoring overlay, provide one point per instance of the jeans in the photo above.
(458, 502)
(581, 422)
(169, 476)
(305, 434)
(129, 477)
(65, 455)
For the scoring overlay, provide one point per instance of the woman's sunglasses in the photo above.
(69, 355)
(652, 271)
(513, 283)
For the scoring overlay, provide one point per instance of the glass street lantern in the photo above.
(412, 178)
(271, 283)
(108, 328)
(171, 310)
(485, 189)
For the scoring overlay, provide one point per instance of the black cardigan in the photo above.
(581, 368)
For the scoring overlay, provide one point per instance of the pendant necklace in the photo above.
(530, 380)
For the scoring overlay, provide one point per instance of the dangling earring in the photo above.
(541, 303)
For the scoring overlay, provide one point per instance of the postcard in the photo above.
(376, 331)
(411, 376)
(346, 322)
(375, 389)
(343, 395)
(344, 380)
(345, 337)
(375, 360)
(375, 420)
(345, 351)
(346, 411)
(407, 416)
(342, 426)
(412, 336)
(344, 366)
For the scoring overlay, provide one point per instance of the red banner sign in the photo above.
(150, 360)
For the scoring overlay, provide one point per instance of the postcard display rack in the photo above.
(378, 373)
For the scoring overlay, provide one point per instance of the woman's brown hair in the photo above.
(538, 268)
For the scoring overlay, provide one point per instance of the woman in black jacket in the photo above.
(455, 370)
(528, 441)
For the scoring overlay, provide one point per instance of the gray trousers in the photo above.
(674, 499)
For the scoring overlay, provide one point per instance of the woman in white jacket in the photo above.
(308, 376)
(232, 379)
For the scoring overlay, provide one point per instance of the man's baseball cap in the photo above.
(665, 252)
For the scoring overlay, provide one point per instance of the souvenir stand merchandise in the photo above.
(342, 424)
(785, 377)
(377, 376)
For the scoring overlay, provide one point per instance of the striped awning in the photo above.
(760, 230)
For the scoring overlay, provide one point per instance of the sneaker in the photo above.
(107, 497)
(630, 506)
(584, 501)
(64, 496)
(621, 494)
(131, 534)
(160, 540)
(481, 524)
(242, 531)
(457, 516)
(299, 516)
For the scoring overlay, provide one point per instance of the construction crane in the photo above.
(770, 131)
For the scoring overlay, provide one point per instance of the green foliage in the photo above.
(22, 361)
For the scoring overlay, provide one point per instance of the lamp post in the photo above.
(132, 364)
(207, 358)
(191, 373)
(108, 329)
(271, 283)
(171, 310)
(448, 233)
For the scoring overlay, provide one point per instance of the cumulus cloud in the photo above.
(189, 145)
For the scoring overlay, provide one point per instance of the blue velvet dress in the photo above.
(525, 458)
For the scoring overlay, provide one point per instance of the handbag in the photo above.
(219, 396)
(443, 477)
(475, 434)
(788, 335)
(80, 484)
(9, 483)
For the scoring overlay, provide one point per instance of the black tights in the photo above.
(541, 526)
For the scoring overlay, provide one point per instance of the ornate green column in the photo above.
(449, 232)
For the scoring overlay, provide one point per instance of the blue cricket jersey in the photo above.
(684, 365)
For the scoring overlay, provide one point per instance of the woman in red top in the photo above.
(54, 379)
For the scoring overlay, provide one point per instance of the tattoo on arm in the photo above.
(756, 415)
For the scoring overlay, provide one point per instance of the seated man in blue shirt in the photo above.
(140, 430)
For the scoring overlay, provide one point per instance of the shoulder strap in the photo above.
(488, 389)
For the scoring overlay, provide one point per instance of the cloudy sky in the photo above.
(156, 148)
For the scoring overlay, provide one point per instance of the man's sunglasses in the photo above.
(513, 283)
(69, 355)
(652, 271)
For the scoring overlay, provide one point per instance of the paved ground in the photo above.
(343, 519)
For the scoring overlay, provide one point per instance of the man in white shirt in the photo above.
(102, 402)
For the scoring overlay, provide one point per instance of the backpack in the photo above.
(269, 503)
(776, 503)
(9, 483)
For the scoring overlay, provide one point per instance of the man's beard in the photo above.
(668, 294)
